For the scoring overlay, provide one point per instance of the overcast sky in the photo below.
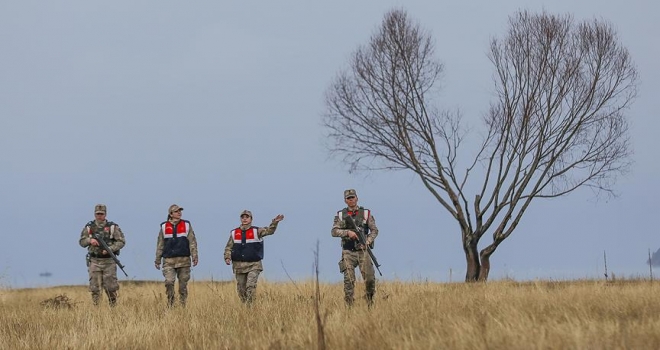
(216, 105)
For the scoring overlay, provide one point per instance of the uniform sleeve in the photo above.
(339, 228)
(119, 239)
(373, 229)
(266, 231)
(228, 247)
(84, 238)
(192, 242)
(160, 245)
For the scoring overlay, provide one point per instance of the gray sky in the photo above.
(216, 106)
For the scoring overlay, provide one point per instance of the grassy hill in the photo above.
(497, 315)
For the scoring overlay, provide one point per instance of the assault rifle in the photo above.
(105, 246)
(362, 239)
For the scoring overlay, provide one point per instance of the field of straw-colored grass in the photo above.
(495, 315)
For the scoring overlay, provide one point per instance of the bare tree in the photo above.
(557, 123)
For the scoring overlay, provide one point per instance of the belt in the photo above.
(99, 256)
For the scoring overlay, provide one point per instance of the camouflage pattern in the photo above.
(360, 258)
(102, 271)
(172, 271)
(114, 237)
(246, 266)
(177, 267)
(103, 274)
(246, 212)
(246, 285)
(100, 208)
(247, 272)
(349, 261)
(339, 227)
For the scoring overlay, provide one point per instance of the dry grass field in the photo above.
(496, 315)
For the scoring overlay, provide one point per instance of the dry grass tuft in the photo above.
(59, 302)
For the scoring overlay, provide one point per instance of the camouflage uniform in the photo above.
(353, 255)
(176, 266)
(247, 272)
(101, 267)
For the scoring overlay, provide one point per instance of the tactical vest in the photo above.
(175, 238)
(106, 231)
(361, 218)
(247, 245)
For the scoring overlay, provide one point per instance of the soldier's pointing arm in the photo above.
(265, 231)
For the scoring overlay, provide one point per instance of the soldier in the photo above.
(175, 247)
(101, 267)
(245, 248)
(354, 254)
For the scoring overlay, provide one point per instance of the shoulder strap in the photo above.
(112, 226)
(365, 214)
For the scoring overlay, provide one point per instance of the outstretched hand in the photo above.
(278, 218)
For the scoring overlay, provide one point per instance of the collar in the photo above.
(353, 211)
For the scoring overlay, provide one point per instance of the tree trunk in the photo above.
(485, 268)
(485, 259)
(472, 259)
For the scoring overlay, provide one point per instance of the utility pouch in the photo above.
(342, 266)
(88, 259)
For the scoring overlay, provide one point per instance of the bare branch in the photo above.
(557, 124)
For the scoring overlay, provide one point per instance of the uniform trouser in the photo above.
(171, 274)
(351, 260)
(103, 274)
(246, 285)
